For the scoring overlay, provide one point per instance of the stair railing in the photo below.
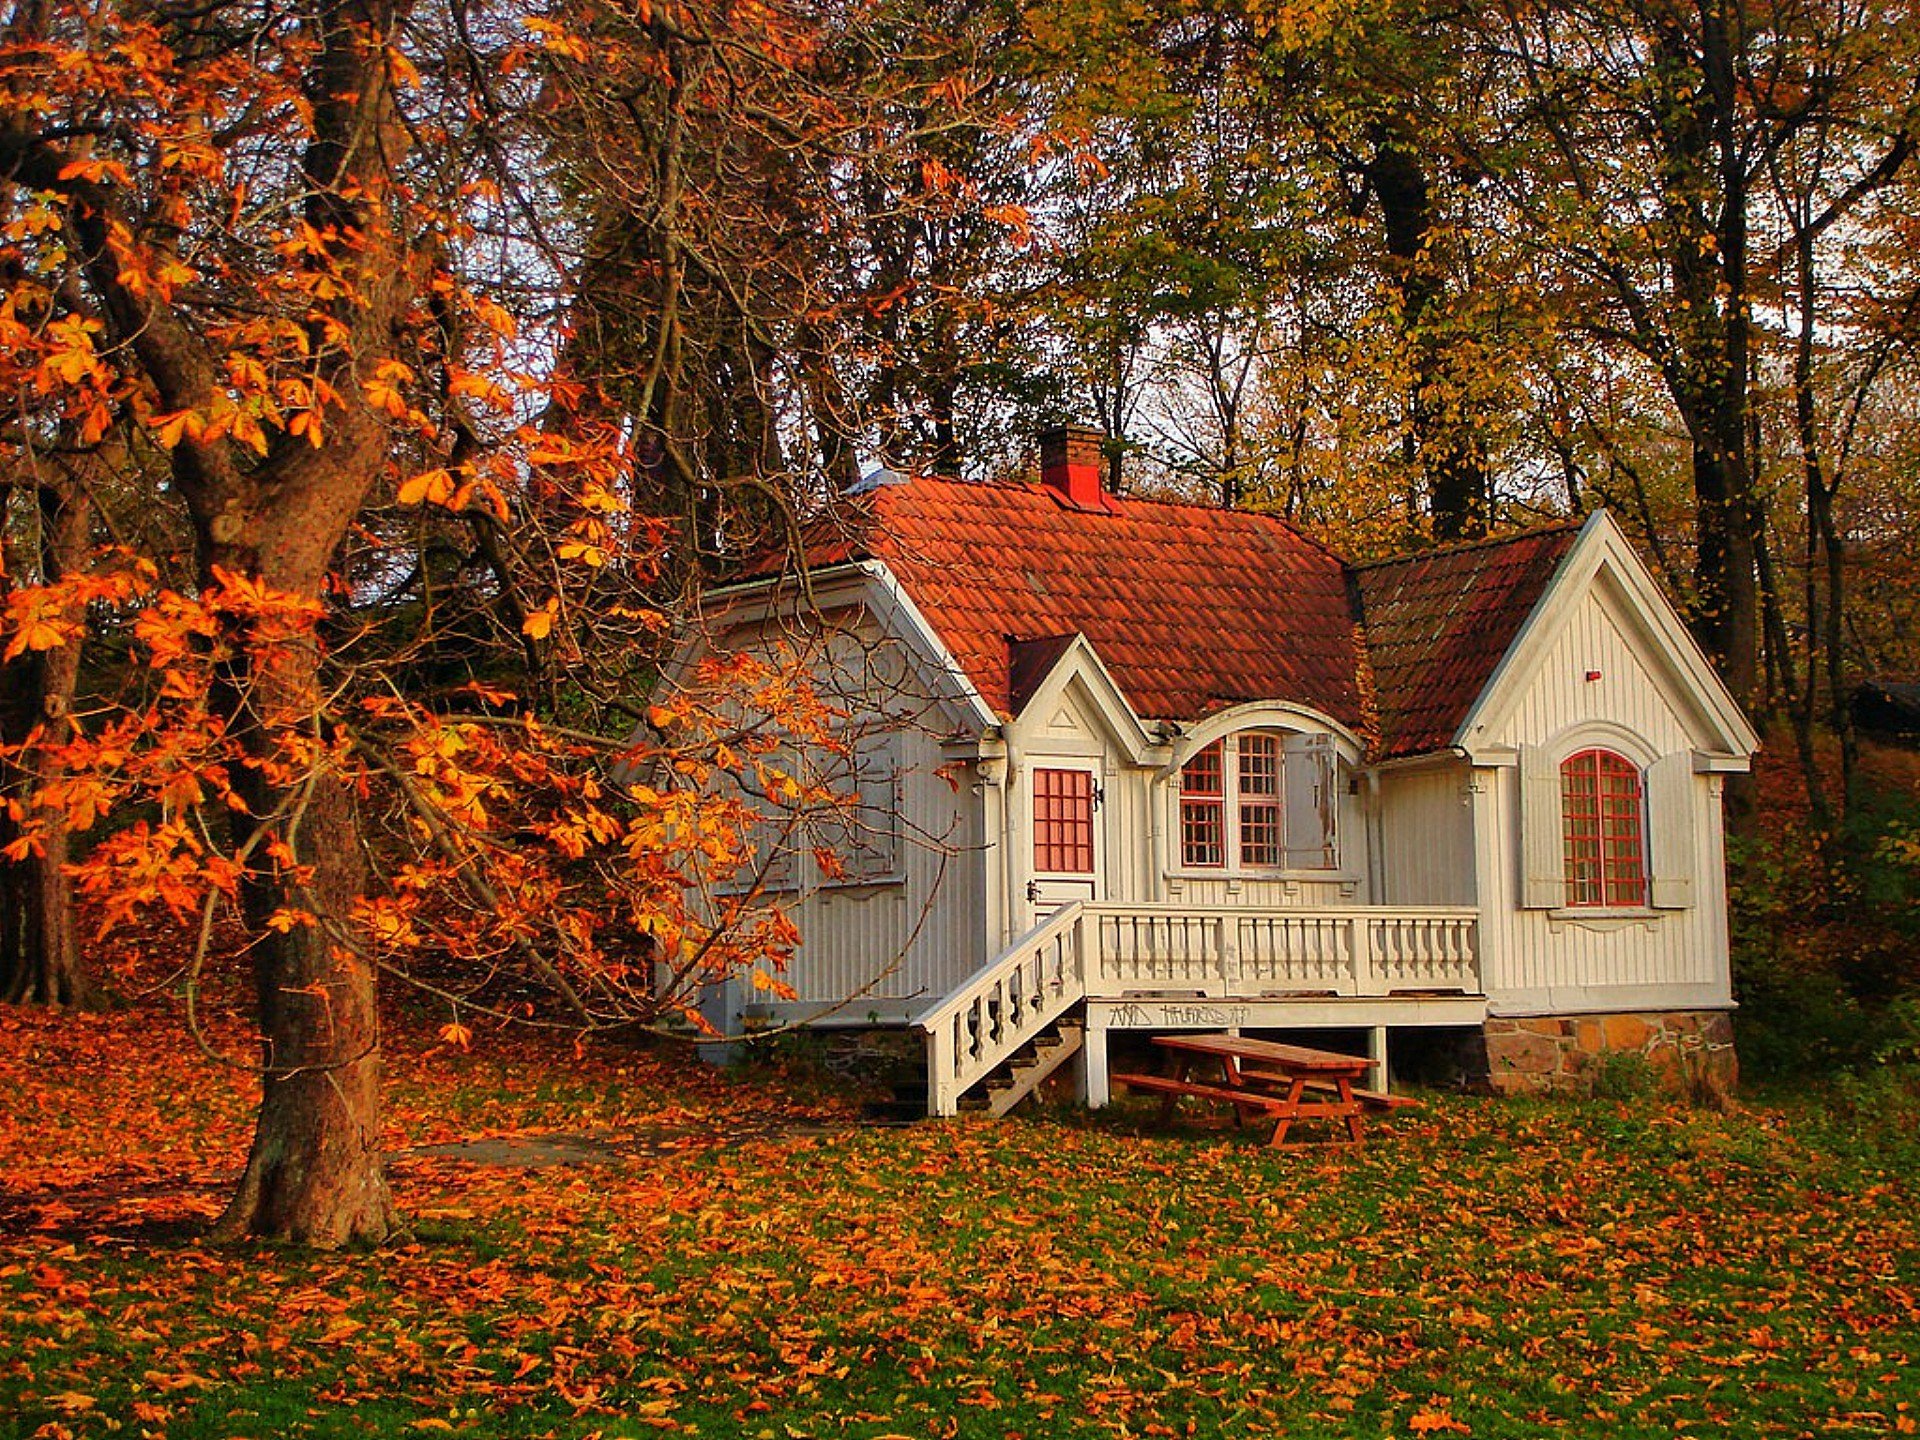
(997, 1010)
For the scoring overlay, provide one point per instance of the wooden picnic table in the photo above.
(1264, 1077)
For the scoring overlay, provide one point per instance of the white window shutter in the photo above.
(1543, 858)
(1311, 803)
(1670, 823)
(875, 852)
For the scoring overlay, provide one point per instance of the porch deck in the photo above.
(1132, 966)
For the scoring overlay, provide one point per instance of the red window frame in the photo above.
(1257, 785)
(1203, 810)
(1602, 820)
(1063, 822)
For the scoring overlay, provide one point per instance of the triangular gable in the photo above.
(1029, 662)
(1602, 557)
(866, 584)
(1074, 663)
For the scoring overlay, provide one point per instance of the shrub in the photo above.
(1624, 1075)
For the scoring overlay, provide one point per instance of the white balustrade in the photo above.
(1111, 951)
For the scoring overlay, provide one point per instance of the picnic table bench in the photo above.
(1266, 1078)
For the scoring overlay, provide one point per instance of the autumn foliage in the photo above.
(372, 685)
(715, 1255)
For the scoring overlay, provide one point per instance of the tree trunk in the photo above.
(40, 959)
(314, 1175)
(1448, 454)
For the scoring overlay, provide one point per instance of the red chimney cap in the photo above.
(1073, 465)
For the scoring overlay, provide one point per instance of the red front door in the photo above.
(1066, 841)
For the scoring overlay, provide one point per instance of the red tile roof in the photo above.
(1438, 623)
(1190, 608)
(1193, 608)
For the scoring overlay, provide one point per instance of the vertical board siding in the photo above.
(918, 933)
(851, 934)
(1530, 954)
(1426, 833)
(1628, 692)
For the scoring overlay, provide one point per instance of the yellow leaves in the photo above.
(39, 618)
(39, 218)
(495, 317)
(456, 1035)
(1016, 218)
(340, 1328)
(70, 356)
(556, 39)
(96, 170)
(600, 500)
(306, 423)
(938, 178)
(383, 388)
(539, 623)
(290, 918)
(584, 551)
(223, 419)
(404, 72)
(432, 487)
(146, 865)
(180, 791)
(1435, 1419)
(589, 541)
(386, 923)
(252, 597)
(467, 385)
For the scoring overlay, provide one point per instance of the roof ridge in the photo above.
(1169, 502)
(1464, 547)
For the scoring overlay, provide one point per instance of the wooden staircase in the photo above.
(1028, 1069)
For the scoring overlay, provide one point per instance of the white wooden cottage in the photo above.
(1131, 765)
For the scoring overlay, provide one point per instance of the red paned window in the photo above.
(1063, 822)
(1261, 841)
(1203, 810)
(1600, 813)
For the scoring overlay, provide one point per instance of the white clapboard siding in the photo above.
(916, 933)
(1426, 830)
(1539, 956)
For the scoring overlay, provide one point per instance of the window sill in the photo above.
(1604, 919)
(1239, 878)
(788, 892)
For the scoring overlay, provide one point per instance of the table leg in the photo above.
(1287, 1109)
(1355, 1125)
(1230, 1077)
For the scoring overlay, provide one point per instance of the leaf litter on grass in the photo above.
(737, 1257)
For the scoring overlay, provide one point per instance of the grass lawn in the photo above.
(738, 1257)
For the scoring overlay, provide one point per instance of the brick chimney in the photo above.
(1072, 466)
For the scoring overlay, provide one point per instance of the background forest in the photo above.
(384, 376)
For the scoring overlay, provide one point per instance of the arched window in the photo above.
(1259, 800)
(1602, 828)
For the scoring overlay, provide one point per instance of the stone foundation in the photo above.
(882, 1057)
(1685, 1052)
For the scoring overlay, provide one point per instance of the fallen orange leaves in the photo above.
(729, 1257)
